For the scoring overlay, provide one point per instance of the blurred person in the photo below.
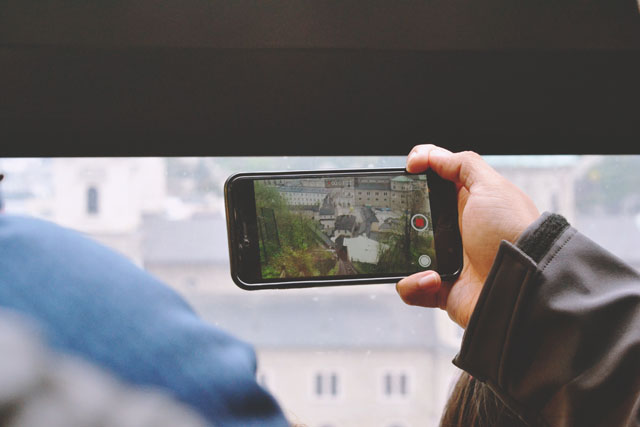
(41, 387)
(93, 304)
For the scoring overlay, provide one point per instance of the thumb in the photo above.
(422, 289)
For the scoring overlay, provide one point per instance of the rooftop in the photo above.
(195, 240)
(373, 186)
(315, 190)
(402, 178)
(345, 222)
(328, 206)
(290, 320)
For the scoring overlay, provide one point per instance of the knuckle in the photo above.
(471, 156)
(422, 148)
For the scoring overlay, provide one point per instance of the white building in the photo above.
(363, 249)
(327, 214)
(191, 255)
(106, 198)
(303, 196)
(549, 180)
(345, 359)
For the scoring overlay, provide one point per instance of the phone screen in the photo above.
(376, 225)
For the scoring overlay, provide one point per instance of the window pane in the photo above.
(334, 384)
(167, 216)
(92, 201)
(319, 384)
(403, 384)
(388, 387)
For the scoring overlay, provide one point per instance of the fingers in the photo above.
(421, 289)
(418, 159)
(464, 169)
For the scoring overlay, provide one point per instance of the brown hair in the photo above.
(473, 404)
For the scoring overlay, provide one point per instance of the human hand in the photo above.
(490, 209)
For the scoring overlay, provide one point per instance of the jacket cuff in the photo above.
(488, 328)
(540, 236)
(488, 331)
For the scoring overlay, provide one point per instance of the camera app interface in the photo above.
(343, 226)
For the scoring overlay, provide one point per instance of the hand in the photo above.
(490, 209)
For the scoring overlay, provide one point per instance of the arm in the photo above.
(553, 320)
(556, 331)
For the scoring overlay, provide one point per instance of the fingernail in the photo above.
(427, 280)
(412, 155)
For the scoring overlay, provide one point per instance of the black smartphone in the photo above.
(340, 227)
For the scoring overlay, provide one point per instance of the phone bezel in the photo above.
(435, 183)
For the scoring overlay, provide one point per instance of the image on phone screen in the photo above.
(344, 226)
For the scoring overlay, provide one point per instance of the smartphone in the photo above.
(340, 227)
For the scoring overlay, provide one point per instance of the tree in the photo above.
(607, 185)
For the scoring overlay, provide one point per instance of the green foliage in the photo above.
(364, 267)
(300, 263)
(268, 197)
(289, 246)
(610, 186)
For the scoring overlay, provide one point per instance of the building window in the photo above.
(92, 201)
(395, 384)
(326, 385)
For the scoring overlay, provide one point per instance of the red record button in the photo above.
(419, 222)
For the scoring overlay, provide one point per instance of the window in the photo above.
(326, 385)
(92, 201)
(175, 228)
(395, 384)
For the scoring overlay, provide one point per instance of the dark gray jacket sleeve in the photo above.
(557, 337)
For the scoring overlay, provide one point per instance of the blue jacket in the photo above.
(96, 304)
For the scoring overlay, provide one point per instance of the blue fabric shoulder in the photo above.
(94, 303)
